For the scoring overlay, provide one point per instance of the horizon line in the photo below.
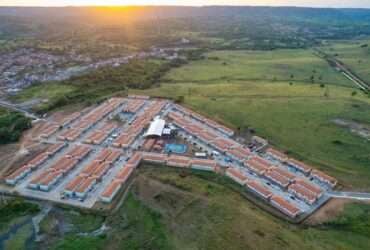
(177, 5)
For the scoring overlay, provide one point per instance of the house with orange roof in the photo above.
(277, 154)
(237, 175)
(284, 206)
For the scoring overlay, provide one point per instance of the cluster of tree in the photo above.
(12, 125)
(14, 208)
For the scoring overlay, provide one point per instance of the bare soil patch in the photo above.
(359, 129)
(329, 211)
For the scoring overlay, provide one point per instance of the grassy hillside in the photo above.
(276, 65)
(296, 118)
(169, 210)
(355, 54)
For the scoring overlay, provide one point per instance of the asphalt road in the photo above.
(350, 195)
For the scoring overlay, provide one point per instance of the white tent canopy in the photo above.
(156, 127)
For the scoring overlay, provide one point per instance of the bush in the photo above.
(12, 124)
(16, 208)
(337, 142)
(179, 99)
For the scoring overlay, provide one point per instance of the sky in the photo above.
(310, 3)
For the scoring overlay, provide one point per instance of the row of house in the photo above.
(140, 97)
(121, 178)
(133, 105)
(181, 161)
(92, 173)
(99, 135)
(50, 128)
(137, 126)
(264, 192)
(172, 160)
(33, 164)
(302, 167)
(208, 122)
(50, 176)
(91, 119)
(222, 143)
(299, 187)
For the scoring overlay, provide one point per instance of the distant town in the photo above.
(24, 67)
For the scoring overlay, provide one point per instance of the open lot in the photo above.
(277, 65)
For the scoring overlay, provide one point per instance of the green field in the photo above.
(355, 54)
(276, 65)
(44, 92)
(169, 210)
(296, 118)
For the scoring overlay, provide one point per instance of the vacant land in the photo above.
(296, 118)
(167, 209)
(355, 54)
(277, 65)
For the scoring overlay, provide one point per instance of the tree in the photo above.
(180, 99)
(312, 78)
(327, 93)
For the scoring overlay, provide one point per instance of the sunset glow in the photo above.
(313, 3)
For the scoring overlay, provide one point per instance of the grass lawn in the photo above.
(44, 91)
(84, 222)
(354, 54)
(279, 65)
(135, 226)
(72, 242)
(296, 118)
